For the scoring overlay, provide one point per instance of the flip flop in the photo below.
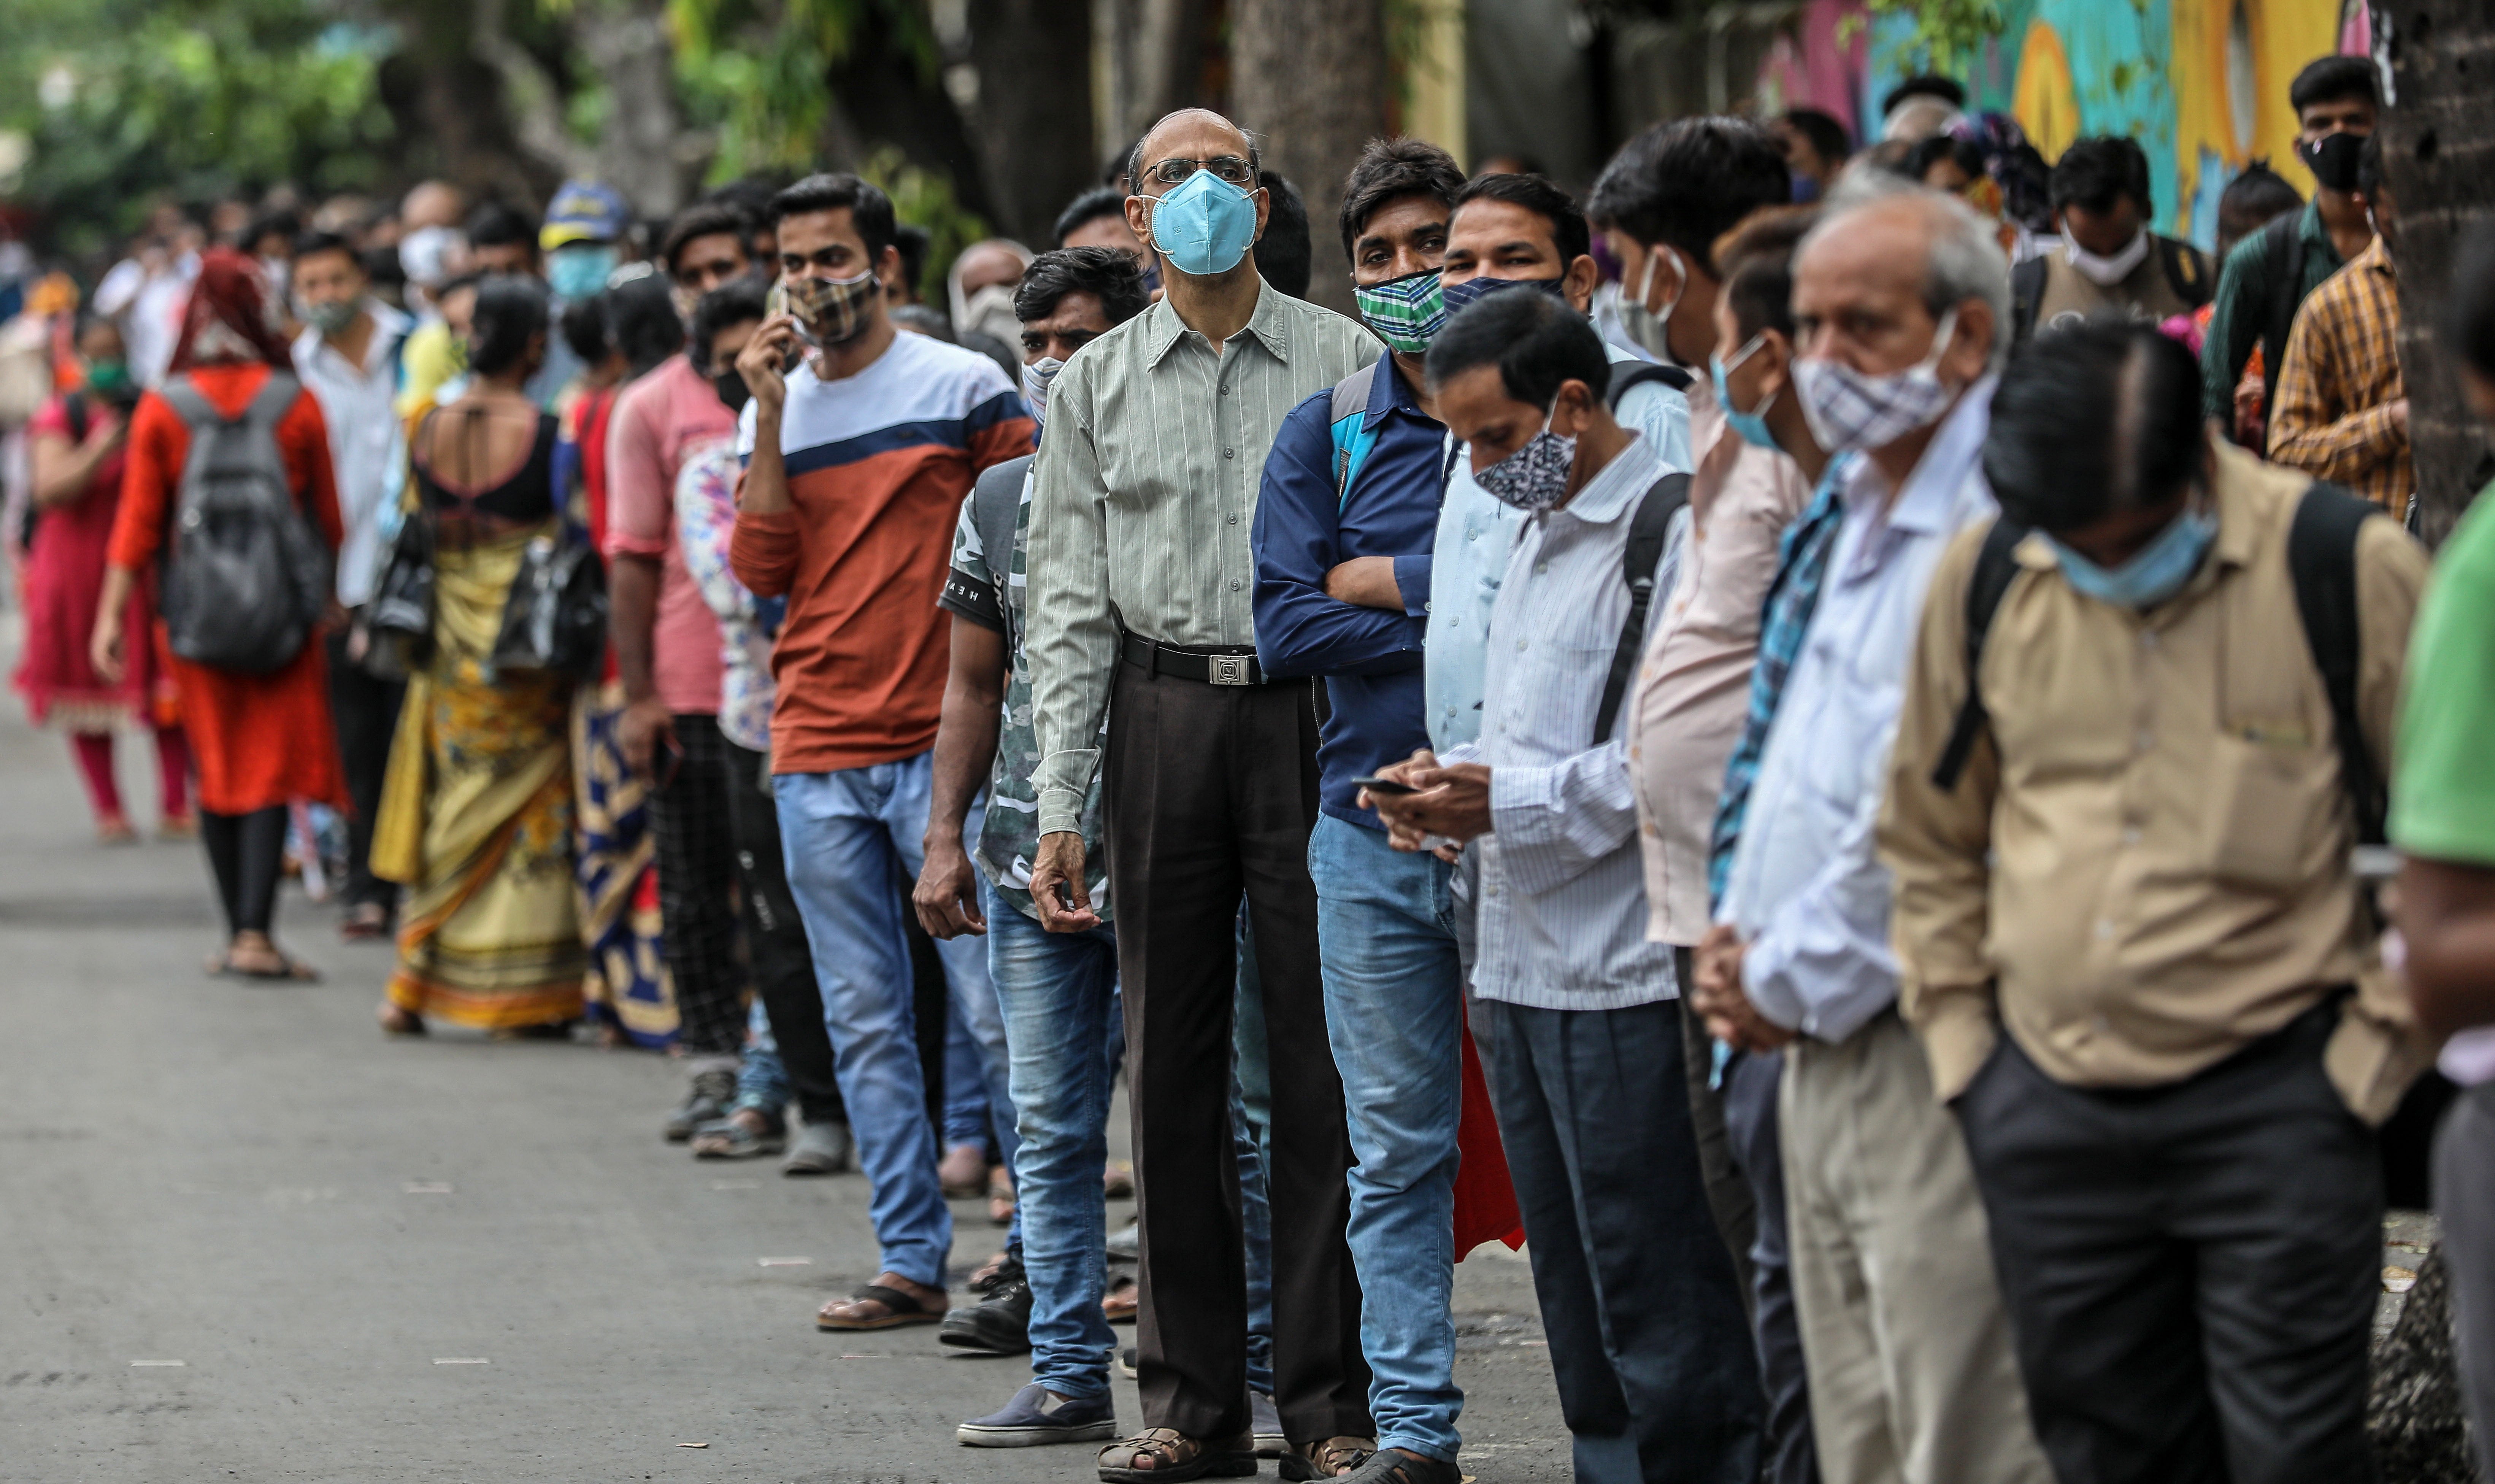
(904, 1311)
(222, 966)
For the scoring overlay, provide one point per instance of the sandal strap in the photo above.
(1162, 1444)
(890, 1298)
(1341, 1451)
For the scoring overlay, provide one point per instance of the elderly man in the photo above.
(1901, 305)
(1141, 580)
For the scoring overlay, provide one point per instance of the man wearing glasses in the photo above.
(1140, 585)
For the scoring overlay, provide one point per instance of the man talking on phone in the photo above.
(858, 458)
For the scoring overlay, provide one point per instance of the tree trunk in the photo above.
(1033, 121)
(888, 92)
(2440, 160)
(1155, 51)
(1310, 84)
(449, 108)
(643, 149)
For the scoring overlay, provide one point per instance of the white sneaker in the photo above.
(818, 1149)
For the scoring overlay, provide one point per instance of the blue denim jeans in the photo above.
(1394, 999)
(851, 839)
(762, 1077)
(1059, 994)
(966, 1090)
(1251, 1118)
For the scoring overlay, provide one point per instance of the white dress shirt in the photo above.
(1806, 888)
(367, 442)
(1562, 907)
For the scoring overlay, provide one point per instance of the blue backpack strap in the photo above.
(1351, 441)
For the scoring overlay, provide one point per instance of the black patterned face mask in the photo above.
(1535, 477)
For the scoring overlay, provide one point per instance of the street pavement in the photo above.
(241, 1233)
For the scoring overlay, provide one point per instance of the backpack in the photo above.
(1648, 530)
(2322, 560)
(2187, 273)
(2284, 249)
(245, 578)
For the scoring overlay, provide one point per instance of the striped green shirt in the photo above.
(1143, 497)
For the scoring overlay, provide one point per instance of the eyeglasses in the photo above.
(1178, 168)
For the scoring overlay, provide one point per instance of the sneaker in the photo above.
(1266, 1422)
(1000, 1324)
(820, 1149)
(1127, 1362)
(1127, 1243)
(707, 1101)
(1037, 1416)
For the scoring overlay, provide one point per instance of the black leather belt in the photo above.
(1153, 657)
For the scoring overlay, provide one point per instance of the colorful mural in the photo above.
(2200, 84)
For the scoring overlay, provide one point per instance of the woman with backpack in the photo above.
(79, 444)
(476, 816)
(258, 712)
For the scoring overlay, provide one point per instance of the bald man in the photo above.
(1141, 579)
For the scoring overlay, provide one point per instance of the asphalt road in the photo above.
(240, 1234)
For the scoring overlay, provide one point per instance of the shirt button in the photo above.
(1541, 567)
(1229, 453)
(1234, 585)
(1520, 646)
(1225, 388)
(2131, 836)
(1234, 516)
(2149, 638)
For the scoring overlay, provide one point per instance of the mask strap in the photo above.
(1941, 335)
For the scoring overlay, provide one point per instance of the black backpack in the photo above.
(2322, 560)
(1648, 530)
(245, 577)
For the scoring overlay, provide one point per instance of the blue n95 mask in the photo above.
(2154, 573)
(1204, 226)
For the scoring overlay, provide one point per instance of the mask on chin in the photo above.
(2155, 572)
(1752, 426)
(2106, 272)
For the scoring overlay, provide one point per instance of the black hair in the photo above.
(2334, 79)
(748, 194)
(452, 285)
(1948, 90)
(1284, 254)
(1110, 275)
(2369, 167)
(1389, 169)
(2095, 172)
(733, 303)
(924, 319)
(511, 312)
(1536, 342)
(1117, 172)
(1685, 183)
(641, 317)
(1569, 232)
(381, 265)
(710, 219)
(494, 224)
(916, 243)
(1826, 136)
(582, 325)
(2259, 190)
(1965, 154)
(869, 209)
(271, 224)
(1088, 207)
(1757, 260)
(308, 243)
(2468, 319)
(2095, 418)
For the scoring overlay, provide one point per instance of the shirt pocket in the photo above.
(2268, 805)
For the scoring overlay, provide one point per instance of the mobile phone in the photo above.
(1384, 786)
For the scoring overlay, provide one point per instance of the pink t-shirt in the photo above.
(660, 420)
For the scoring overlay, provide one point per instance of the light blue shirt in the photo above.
(1475, 535)
(1806, 888)
(1562, 909)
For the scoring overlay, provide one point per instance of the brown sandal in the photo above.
(1162, 1453)
(1327, 1458)
(899, 1308)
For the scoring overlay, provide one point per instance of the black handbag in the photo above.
(398, 621)
(555, 617)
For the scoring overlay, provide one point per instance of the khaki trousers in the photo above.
(1912, 1375)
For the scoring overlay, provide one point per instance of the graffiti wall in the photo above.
(2200, 84)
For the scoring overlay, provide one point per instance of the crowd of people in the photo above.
(1799, 736)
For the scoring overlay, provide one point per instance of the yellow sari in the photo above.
(477, 817)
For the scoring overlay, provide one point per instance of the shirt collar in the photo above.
(1609, 492)
(2376, 257)
(1388, 392)
(2311, 228)
(389, 326)
(1269, 322)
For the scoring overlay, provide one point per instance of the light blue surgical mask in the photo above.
(1751, 425)
(1204, 226)
(578, 270)
(2155, 572)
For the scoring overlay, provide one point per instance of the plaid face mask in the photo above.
(833, 310)
(1407, 313)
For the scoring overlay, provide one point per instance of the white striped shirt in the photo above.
(1562, 905)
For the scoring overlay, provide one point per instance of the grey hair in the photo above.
(1964, 261)
(1135, 153)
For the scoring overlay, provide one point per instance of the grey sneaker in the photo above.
(1266, 1422)
(818, 1149)
(1127, 1243)
(707, 1101)
(1037, 1416)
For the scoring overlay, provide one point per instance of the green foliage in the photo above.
(127, 102)
(925, 197)
(754, 71)
(1950, 34)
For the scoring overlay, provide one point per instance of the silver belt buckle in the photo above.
(1228, 670)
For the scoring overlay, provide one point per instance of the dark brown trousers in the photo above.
(1210, 793)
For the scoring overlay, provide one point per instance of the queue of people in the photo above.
(1789, 735)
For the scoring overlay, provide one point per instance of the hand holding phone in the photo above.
(1392, 787)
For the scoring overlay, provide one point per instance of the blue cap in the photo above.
(584, 211)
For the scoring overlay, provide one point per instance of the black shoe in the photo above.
(706, 1102)
(1000, 1324)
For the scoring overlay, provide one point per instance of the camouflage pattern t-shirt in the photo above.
(976, 591)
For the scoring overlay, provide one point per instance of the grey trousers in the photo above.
(2464, 1196)
(2191, 1270)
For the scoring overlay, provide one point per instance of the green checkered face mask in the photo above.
(1407, 313)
